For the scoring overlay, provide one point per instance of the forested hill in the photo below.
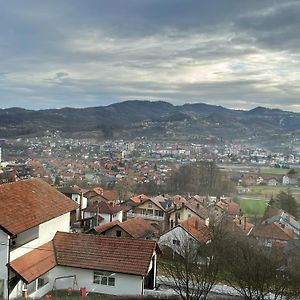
(152, 119)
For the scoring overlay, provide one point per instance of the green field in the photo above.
(253, 208)
(265, 192)
(274, 171)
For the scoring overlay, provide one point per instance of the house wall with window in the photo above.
(176, 239)
(25, 242)
(39, 235)
(116, 231)
(150, 209)
(93, 280)
(180, 215)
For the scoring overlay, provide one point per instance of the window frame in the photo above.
(104, 278)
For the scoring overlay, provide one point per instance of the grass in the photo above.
(274, 171)
(253, 208)
(62, 295)
(265, 192)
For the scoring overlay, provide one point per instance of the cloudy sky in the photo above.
(81, 53)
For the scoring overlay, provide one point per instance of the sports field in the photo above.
(253, 208)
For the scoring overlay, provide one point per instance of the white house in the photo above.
(75, 193)
(192, 230)
(106, 211)
(31, 212)
(110, 265)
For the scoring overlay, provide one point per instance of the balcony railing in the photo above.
(144, 216)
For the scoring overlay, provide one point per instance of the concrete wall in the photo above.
(124, 284)
(46, 232)
(3, 260)
(113, 232)
(177, 234)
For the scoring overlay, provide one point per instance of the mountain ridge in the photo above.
(153, 119)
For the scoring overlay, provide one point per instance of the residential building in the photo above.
(109, 265)
(138, 228)
(31, 212)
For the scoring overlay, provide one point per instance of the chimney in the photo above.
(198, 206)
(197, 224)
(245, 223)
(80, 205)
(240, 221)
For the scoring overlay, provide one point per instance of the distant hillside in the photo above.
(159, 120)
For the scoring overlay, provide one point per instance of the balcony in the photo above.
(144, 216)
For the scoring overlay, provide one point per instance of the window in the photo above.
(42, 281)
(177, 215)
(176, 242)
(118, 233)
(150, 212)
(150, 205)
(104, 278)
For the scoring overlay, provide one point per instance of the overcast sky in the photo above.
(238, 54)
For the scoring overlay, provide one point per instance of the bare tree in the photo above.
(192, 267)
(254, 271)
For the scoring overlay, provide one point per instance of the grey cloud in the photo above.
(274, 28)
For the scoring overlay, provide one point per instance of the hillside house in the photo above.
(135, 228)
(100, 194)
(192, 230)
(272, 235)
(31, 212)
(154, 209)
(103, 212)
(76, 194)
(109, 265)
(186, 211)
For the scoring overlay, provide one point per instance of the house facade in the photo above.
(31, 212)
(110, 265)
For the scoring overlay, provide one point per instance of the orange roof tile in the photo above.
(139, 198)
(113, 254)
(31, 202)
(135, 227)
(35, 263)
(273, 231)
(104, 227)
(197, 228)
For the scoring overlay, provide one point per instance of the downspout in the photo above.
(8, 267)
(80, 205)
(143, 281)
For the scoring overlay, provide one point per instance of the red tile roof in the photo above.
(197, 228)
(135, 227)
(35, 263)
(112, 254)
(272, 231)
(104, 208)
(30, 202)
(97, 252)
(106, 226)
(139, 198)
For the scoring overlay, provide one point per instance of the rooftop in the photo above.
(31, 202)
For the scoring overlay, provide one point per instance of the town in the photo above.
(126, 202)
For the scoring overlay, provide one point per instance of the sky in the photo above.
(83, 53)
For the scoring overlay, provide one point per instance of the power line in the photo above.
(25, 247)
